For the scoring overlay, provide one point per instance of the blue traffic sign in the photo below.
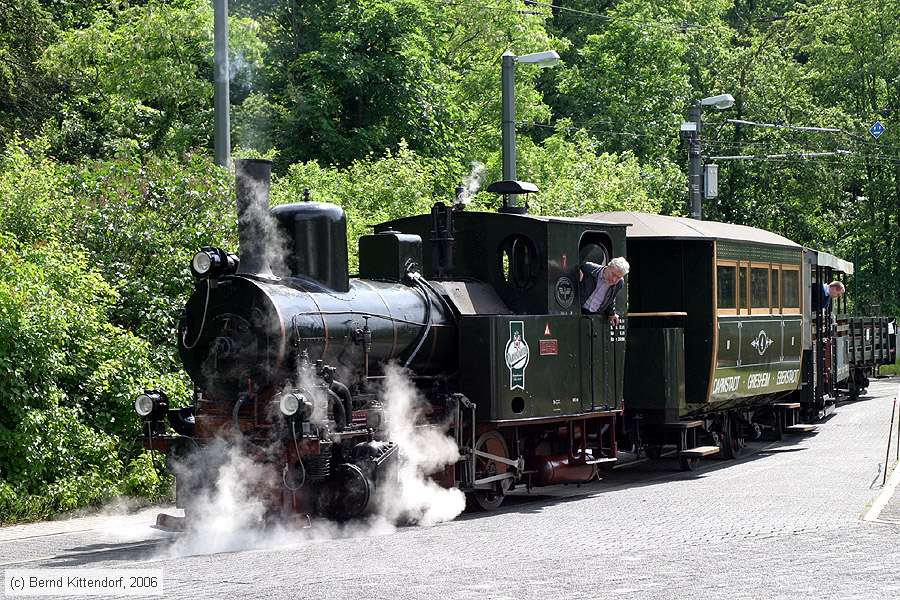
(877, 129)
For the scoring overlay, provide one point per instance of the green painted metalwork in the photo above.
(757, 355)
(738, 251)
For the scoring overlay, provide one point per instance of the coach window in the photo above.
(743, 285)
(790, 289)
(726, 281)
(775, 288)
(759, 289)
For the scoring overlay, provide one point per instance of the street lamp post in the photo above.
(508, 79)
(222, 92)
(508, 82)
(693, 128)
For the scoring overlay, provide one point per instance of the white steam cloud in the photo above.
(231, 514)
(472, 182)
(410, 494)
(261, 240)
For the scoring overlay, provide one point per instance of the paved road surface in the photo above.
(784, 522)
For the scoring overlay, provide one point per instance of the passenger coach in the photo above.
(716, 333)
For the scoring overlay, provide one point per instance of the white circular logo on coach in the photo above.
(762, 342)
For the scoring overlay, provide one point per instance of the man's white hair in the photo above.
(621, 265)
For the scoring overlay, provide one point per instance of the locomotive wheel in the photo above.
(733, 442)
(491, 442)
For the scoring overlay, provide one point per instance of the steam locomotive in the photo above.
(287, 352)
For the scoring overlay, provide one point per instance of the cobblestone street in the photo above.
(784, 522)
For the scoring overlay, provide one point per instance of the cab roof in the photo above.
(825, 259)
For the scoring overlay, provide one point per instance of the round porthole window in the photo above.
(518, 262)
(594, 253)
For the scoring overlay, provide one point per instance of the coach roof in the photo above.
(646, 225)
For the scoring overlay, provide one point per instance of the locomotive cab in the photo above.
(544, 380)
(525, 349)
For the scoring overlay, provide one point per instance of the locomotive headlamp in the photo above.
(213, 262)
(290, 404)
(201, 264)
(143, 406)
(294, 403)
(152, 404)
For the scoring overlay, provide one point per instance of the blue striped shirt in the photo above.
(595, 300)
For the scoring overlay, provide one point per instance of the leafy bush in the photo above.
(93, 272)
(66, 376)
(142, 222)
(400, 183)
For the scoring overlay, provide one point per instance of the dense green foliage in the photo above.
(382, 106)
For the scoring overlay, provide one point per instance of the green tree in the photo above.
(139, 78)
(346, 79)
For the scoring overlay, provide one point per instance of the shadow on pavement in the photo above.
(643, 473)
(93, 553)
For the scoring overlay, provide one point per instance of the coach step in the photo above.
(689, 459)
(800, 428)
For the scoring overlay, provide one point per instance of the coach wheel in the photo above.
(777, 433)
(733, 442)
(653, 452)
(491, 442)
(688, 463)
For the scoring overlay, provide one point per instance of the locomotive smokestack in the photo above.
(256, 233)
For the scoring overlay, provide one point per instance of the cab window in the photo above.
(518, 263)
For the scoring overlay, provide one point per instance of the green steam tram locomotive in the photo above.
(287, 352)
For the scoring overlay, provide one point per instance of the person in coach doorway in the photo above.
(835, 289)
(599, 286)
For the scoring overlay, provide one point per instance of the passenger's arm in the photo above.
(588, 268)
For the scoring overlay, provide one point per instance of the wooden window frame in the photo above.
(799, 308)
(741, 309)
(737, 299)
(775, 302)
